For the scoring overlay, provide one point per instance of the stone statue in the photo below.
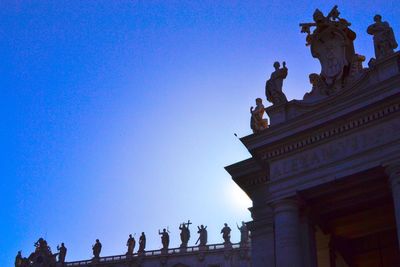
(130, 244)
(142, 243)
(226, 234)
(42, 256)
(202, 231)
(96, 249)
(164, 238)
(384, 40)
(273, 87)
(41, 245)
(185, 234)
(18, 259)
(356, 68)
(318, 90)
(244, 234)
(62, 252)
(257, 123)
(332, 43)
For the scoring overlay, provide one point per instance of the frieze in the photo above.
(256, 181)
(331, 132)
(337, 150)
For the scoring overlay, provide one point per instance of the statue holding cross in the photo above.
(185, 233)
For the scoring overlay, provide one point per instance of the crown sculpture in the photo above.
(332, 42)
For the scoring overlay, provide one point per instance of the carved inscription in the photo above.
(336, 150)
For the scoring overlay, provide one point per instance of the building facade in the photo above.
(324, 176)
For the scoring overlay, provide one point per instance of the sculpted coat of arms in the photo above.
(331, 43)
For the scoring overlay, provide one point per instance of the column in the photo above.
(308, 242)
(393, 171)
(287, 235)
(262, 237)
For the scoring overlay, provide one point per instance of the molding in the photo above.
(333, 131)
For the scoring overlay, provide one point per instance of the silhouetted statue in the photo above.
(244, 234)
(185, 234)
(130, 244)
(384, 40)
(273, 87)
(164, 238)
(62, 252)
(202, 231)
(18, 259)
(257, 123)
(42, 256)
(96, 249)
(41, 245)
(226, 234)
(142, 243)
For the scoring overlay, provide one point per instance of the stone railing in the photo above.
(158, 253)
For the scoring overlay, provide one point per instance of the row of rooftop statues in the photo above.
(43, 256)
(185, 237)
(331, 42)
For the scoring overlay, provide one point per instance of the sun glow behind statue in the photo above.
(237, 198)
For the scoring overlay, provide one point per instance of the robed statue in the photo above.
(384, 40)
(202, 231)
(164, 238)
(97, 249)
(24, 262)
(273, 86)
(257, 122)
(185, 234)
(142, 243)
(244, 234)
(130, 243)
(62, 253)
(226, 234)
(18, 259)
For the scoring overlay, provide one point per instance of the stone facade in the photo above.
(324, 177)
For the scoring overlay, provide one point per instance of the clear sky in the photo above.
(118, 117)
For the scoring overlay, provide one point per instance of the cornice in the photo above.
(332, 132)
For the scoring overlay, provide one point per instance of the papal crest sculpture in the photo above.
(332, 44)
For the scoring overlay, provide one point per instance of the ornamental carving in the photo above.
(332, 43)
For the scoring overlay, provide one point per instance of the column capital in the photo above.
(285, 205)
(261, 212)
(263, 219)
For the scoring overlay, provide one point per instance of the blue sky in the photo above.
(118, 116)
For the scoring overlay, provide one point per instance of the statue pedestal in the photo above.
(276, 113)
(227, 245)
(384, 68)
